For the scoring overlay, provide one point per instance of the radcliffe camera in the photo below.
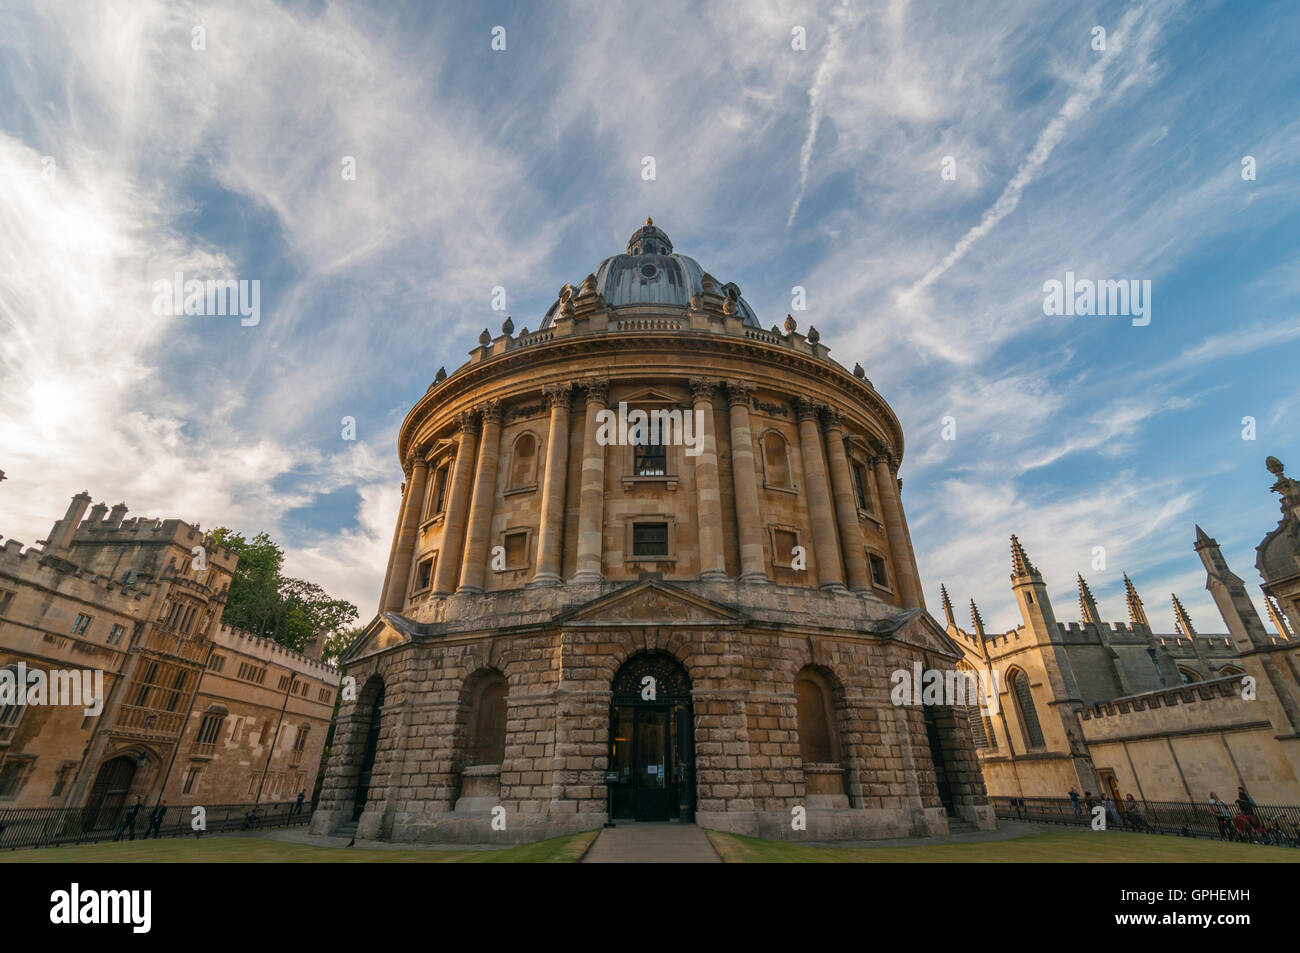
(845, 432)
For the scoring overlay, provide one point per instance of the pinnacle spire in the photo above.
(976, 619)
(1279, 621)
(947, 605)
(1020, 564)
(1203, 538)
(1087, 604)
(1182, 621)
(1136, 614)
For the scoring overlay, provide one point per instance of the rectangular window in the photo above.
(266, 730)
(191, 776)
(650, 459)
(11, 777)
(324, 694)
(878, 574)
(283, 683)
(6, 597)
(784, 542)
(516, 545)
(79, 627)
(650, 539)
(860, 484)
(440, 490)
(424, 574)
(115, 634)
(61, 779)
(216, 663)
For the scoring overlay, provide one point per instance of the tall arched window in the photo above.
(1018, 682)
(1187, 675)
(817, 741)
(776, 461)
(485, 742)
(971, 692)
(523, 462)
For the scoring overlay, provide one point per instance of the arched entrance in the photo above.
(371, 747)
(108, 794)
(941, 778)
(652, 740)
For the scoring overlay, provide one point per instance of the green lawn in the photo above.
(219, 850)
(1065, 847)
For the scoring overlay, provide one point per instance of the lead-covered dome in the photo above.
(651, 274)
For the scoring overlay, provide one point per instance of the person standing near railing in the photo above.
(156, 819)
(1111, 809)
(1074, 802)
(1223, 815)
(128, 820)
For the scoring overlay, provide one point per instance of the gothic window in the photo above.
(210, 730)
(300, 743)
(1231, 670)
(1018, 682)
(486, 742)
(1187, 675)
(523, 462)
(776, 461)
(816, 720)
(971, 688)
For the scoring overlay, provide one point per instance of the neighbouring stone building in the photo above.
(1120, 708)
(193, 710)
(579, 617)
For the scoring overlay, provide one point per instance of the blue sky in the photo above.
(774, 168)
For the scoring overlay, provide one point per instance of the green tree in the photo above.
(267, 603)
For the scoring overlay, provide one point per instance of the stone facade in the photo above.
(1120, 708)
(761, 568)
(193, 711)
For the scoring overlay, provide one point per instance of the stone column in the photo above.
(591, 512)
(395, 597)
(825, 544)
(911, 550)
(447, 571)
(550, 533)
(891, 509)
(745, 479)
(846, 505)
(713, 562)
(480, 509)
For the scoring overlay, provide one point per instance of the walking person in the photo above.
(1223, 815)
(156, 819)
(1111, 809)
(297, 807)
(128, 820)
(1074, 802)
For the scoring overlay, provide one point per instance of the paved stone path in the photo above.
(644, 843)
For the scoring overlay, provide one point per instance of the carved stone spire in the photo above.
(1182, 621)
(1020, 564)
(976, 619)
(947, 605)
(1136, 614)
(1087, 604)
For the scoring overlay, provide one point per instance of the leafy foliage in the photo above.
(269, 604)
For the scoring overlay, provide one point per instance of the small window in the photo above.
(115, 634)
(783, 543)
(516, 547)
(424, 574)
(650, 539)
(79, 627)
(440, 489)
(6, 597)
(879, 574)
(61, 779)
(191, 778)
(266, 730)
(11, 777)
(860, 484)
(649, 459)
(282, 684)
(216, 663)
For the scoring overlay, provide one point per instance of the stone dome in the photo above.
(650, 274)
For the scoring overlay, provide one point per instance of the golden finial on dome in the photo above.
(649, 220)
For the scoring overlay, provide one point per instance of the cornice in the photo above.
(481, 377)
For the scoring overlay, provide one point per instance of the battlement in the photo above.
(239, 640)
(99, 531)
(1110, 631)
(1228, 686)
(27, 564)
(1179, 645)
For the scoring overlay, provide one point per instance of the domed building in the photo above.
(651, 562)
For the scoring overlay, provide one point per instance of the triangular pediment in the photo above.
(381, 633)
(651, 602)
(650, 396)
(917, 627)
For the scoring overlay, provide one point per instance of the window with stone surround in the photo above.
(485, 741)
(879, 570)
(12, 775)
(1018, 683)
(651, 538)
(205, 743)
(115, 634)
(191, 778)
(79, 627)
(424, 574)
(776, 461)
(523, 463)
(6, 597)
(862, 487)
(516, 544)
(817, 742)
(783, 540)
(11, 713)
(436, 501)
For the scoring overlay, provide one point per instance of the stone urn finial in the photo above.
(485, 338)
(1274, 466)
(790, 324)
(858, 372)
(440, 376)
(813, 334)
(508, 326)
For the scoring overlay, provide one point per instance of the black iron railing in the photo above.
(1269, 824)
(52, 827)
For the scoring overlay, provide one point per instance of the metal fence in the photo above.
(1275, 824)
(52, 827)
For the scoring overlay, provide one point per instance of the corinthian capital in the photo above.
(493, 411)
(597, 390)
(558, 394)
(739, 392)
(805, 409)
(703, 388)
(469, 422)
